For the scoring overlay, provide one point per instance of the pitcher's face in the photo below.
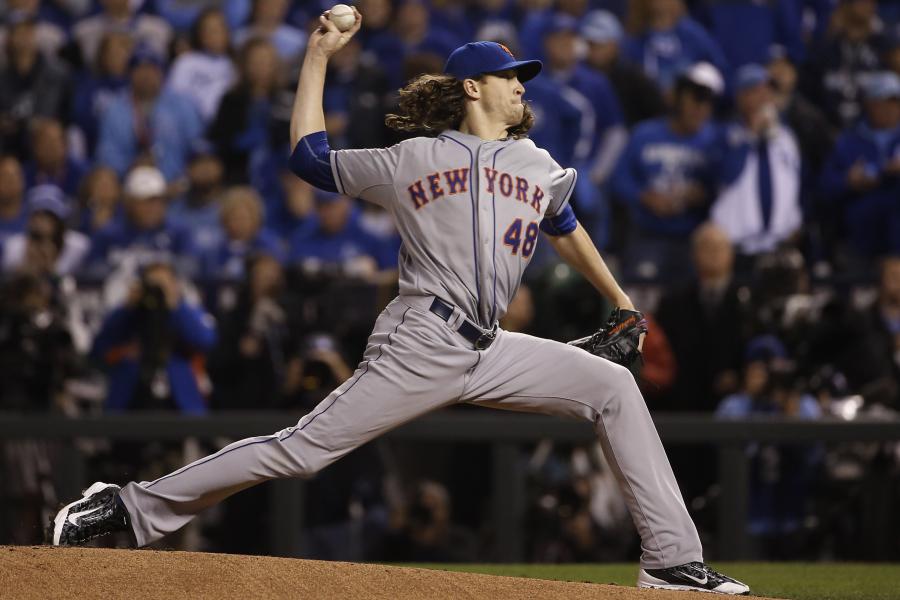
(502, 93)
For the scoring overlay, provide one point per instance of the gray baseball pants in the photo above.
(416, 363)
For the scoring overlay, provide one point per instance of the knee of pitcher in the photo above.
(617, 385)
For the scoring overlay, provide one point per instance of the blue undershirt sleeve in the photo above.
(310, 161)
(563, 223)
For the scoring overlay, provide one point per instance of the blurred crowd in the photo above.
(740, 170)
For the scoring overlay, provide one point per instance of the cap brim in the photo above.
(525, 69)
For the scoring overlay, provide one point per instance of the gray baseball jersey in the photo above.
(468, 212)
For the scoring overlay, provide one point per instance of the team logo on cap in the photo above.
(505, 49)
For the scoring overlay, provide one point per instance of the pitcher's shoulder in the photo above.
(536, 154)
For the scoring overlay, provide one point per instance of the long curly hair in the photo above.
(430, 104)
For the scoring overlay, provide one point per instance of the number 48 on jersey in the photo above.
(513, 237)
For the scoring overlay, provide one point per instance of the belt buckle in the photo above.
(486, 339)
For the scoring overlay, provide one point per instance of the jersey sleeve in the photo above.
(366, 174)
(562, 182)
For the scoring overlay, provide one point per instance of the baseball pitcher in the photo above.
(469, 198)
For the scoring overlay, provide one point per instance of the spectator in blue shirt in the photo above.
(862, 177)
(842, 62)
(97, 88)
(198, 209)
(148, 121)
(603, 133)
(337, 244)
(665, 41)
(150, 346)
(143, 233)
(183, 14)
(244, 236)
(99, 201)
(267, 22)
(12, 194)
(758, 204)
(745, 29)
(639, 96)
(376, 26)
(51, 161)
(412, 33)
(557, 120)
(592, 93)
(666, 177)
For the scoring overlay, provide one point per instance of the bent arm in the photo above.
(308, 116)
(578, 250)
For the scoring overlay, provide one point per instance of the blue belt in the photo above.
(479, 338)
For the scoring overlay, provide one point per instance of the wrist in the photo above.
(623, 301)
(316, 57)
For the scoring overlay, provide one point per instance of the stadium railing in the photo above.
(505, 432)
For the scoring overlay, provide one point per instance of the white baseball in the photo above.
(342, 16)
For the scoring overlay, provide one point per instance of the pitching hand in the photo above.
(327, 40)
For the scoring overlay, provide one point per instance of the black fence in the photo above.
(503, 431)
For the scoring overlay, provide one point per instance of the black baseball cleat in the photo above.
(691, 577)
(99, 512)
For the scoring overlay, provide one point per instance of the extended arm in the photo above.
(308, 116)
(577, 249)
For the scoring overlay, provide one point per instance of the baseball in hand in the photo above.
(342, 16)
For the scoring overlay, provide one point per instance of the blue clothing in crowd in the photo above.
(780, 477)
(112, 243)
(741, 406)
(181, 14)
(746, 30)
(227, 260)
(600, 107)
(10, 227)
(68, 181)
(666, 54)
(872, 217)
(117, 345)
(203, 223)
(557, 121)
(173, 125)
(91, 99)
(392, 51)
(658, 158)
(310, 242)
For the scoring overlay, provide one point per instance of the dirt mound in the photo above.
(44, 572)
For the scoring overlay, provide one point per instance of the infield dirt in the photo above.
(44, 572)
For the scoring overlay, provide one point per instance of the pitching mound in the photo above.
(43, 572)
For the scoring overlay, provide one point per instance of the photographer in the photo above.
(153, 346)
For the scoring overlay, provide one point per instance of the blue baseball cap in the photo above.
(765, 348)
(601, 26)
(561, 22)
(146, 54)
(47, 198)
(881, 86)
(749, 76)
(478, 58)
